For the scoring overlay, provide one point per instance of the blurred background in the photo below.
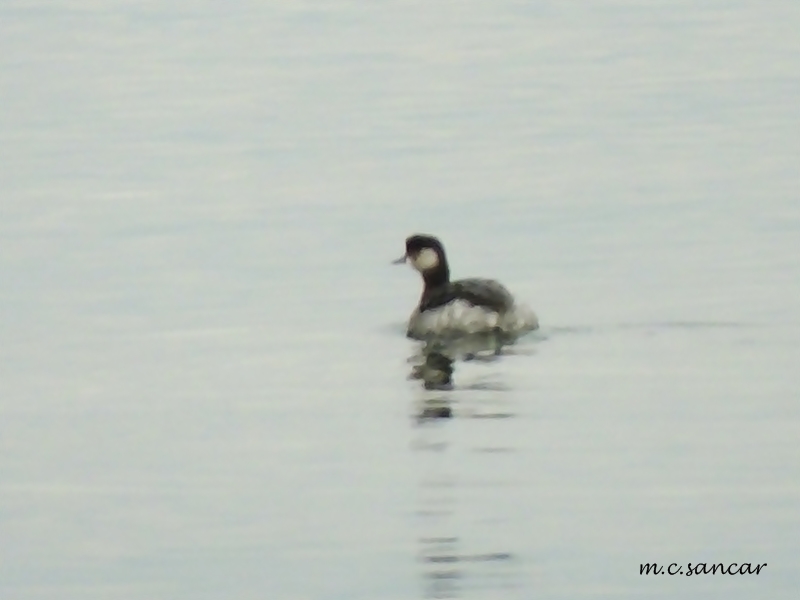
(203, 368)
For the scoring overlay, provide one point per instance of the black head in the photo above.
(426, 254)
(418, 242)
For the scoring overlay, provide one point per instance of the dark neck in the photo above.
(436, 278)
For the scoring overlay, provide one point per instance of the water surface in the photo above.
(203, 377)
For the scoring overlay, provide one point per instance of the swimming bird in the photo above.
(466, 306)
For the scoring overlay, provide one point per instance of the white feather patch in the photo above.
(460, 317)
(425, 259)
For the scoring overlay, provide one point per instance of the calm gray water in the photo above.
(203, 373)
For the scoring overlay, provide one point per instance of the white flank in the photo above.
(460, 317)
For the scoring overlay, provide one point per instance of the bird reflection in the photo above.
(457, 508)
(454, 557)
(457, 524)
(432, 409)
(436, 370)
(435, 363)
(440, 575)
